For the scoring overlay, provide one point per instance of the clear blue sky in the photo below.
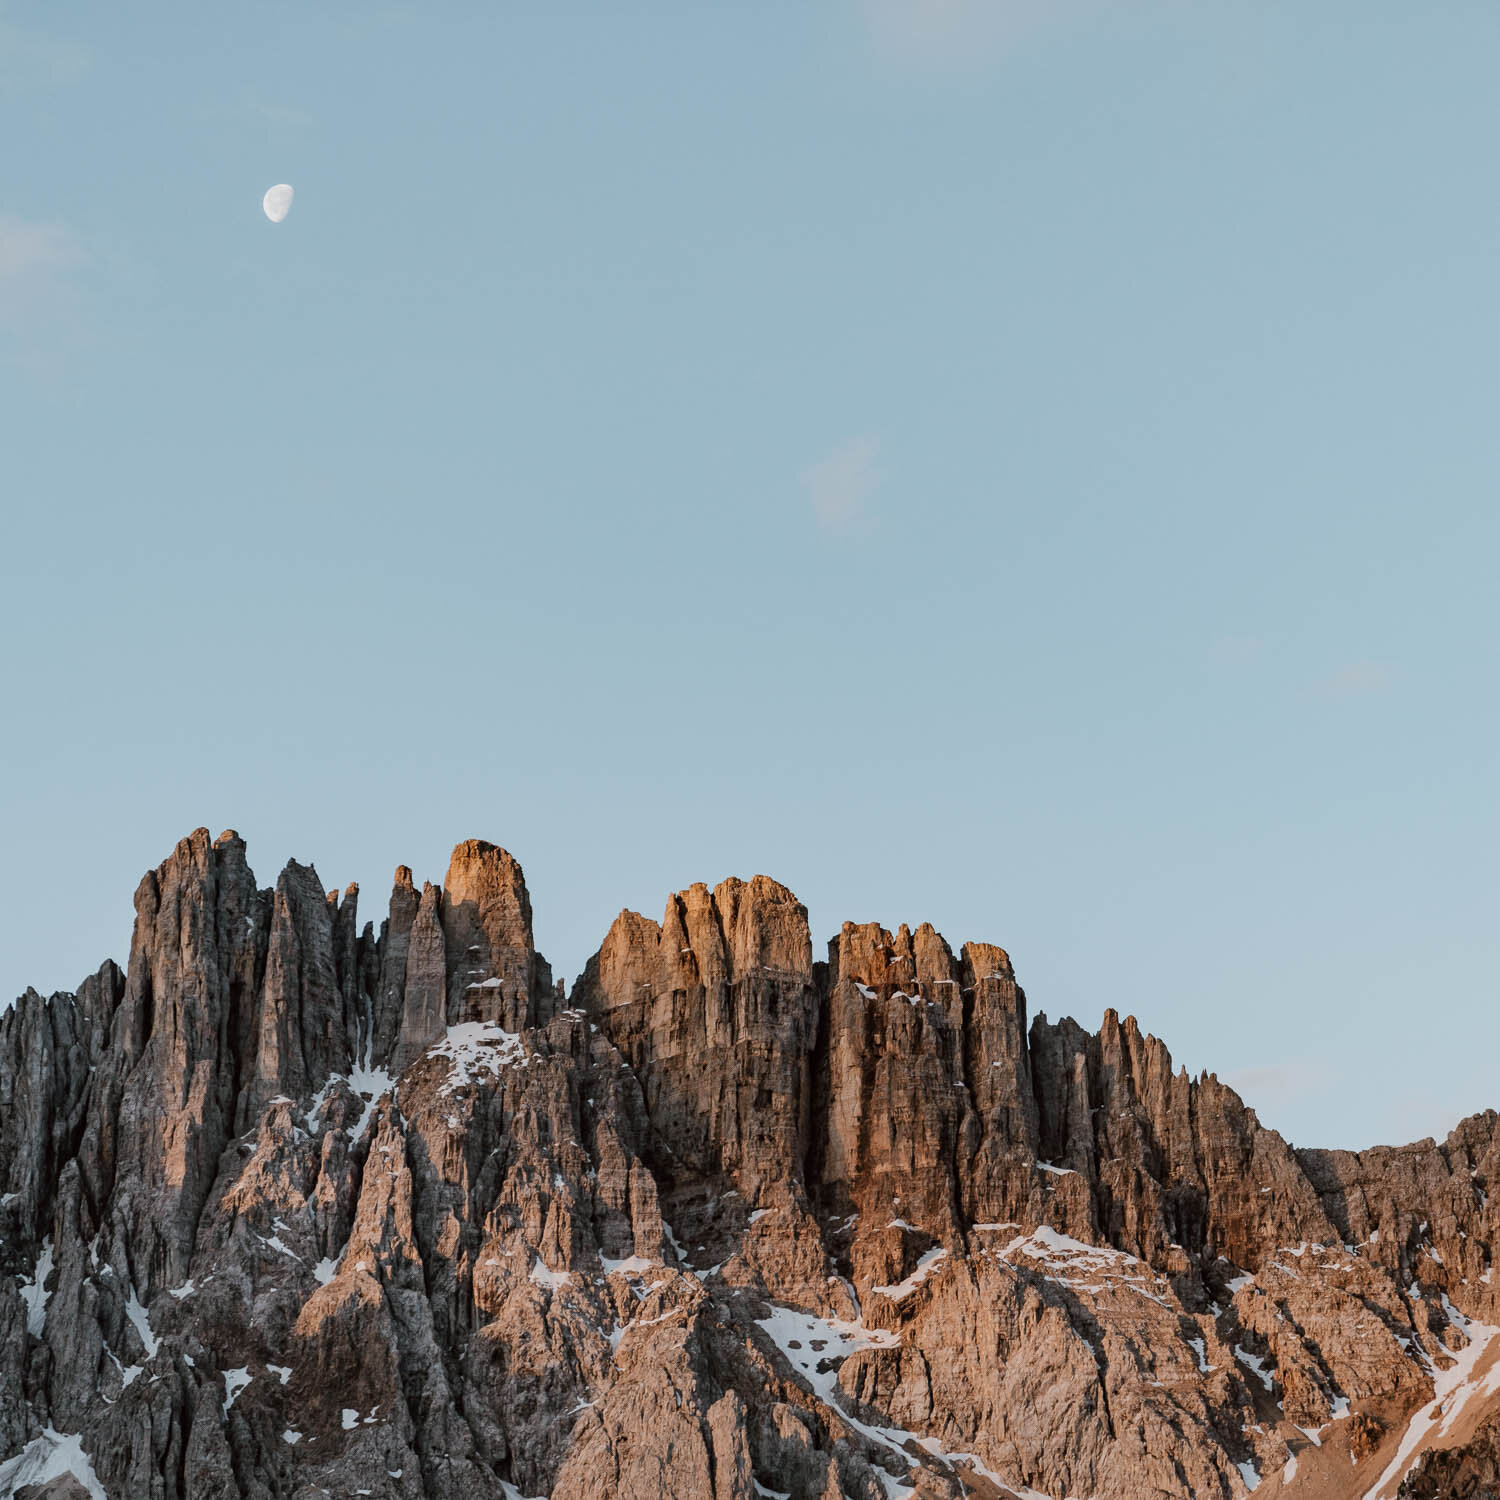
(1028, 467)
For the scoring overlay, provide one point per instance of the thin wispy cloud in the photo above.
(32, 249)
(1269, 1087)
(33, 59)
(956, 31)
(1237, 650)
(1357, 680)
(38, 298)
(840, 485)
(1274, 1090)
(1416, 1113)
(250, 104)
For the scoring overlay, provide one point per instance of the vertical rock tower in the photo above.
(294, 1207)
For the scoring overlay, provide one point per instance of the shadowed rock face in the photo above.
(292, 1207)
(1466, 1471)
(717, 1012)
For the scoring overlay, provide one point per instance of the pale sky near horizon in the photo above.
(1028, 467)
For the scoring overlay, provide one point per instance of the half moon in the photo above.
(277, 202)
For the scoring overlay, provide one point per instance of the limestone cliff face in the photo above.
(717, 1013)
(294, 1207)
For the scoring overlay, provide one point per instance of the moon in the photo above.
(277, 202)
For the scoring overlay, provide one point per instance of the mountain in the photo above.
(294, 1208)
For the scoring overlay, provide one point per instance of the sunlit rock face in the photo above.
(293, 1207)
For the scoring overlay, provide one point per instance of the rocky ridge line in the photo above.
(294, 1207)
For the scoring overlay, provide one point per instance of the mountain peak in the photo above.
(731, 1223)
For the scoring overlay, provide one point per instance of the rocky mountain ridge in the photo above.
(292, 1207)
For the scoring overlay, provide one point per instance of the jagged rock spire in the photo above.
(292, 1206)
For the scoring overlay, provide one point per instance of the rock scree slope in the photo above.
(292, 1207)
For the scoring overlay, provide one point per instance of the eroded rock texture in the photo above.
(292, 1207)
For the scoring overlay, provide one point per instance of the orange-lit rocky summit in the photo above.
(296, 1208)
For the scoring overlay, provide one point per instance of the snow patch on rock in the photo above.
(53, 1455)
(924, 1268)
(34, 1293)
(234, 1382)
(474, 1048)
